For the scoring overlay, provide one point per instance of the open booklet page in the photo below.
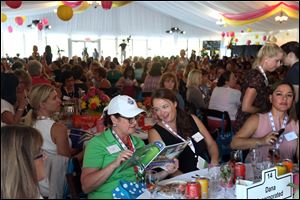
(153, 155)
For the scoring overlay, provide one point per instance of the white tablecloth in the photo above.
(230, 193)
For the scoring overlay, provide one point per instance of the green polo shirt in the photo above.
(96, 155)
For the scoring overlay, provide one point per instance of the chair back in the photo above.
(221, 130)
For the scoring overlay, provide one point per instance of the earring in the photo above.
(114, 125)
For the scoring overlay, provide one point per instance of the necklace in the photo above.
(43, 118)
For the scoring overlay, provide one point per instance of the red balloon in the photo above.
(264, 38)
(13, 4)
(231, 34)
(236, 40)
(10, 29)
(19, 20)
(40, 26)
(223, 34)
(248, 42)
(45, 21)
(106, 5)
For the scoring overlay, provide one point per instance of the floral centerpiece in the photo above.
(94, 101)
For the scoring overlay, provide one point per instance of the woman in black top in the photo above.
(174, 126)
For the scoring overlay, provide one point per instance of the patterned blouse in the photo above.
(256, 80)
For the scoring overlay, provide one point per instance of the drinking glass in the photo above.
(226, 177)
(274, 155)
(214, 177)
(254, 157)
(151, 179)
(236, 156)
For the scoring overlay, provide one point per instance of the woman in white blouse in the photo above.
(224, 97)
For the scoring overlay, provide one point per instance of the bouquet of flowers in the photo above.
(94, 101)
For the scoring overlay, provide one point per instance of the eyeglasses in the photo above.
(41, 155)
(131, 120)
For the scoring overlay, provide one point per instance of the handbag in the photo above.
(224, 138)
(72, 189)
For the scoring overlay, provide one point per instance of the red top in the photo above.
(39, 80)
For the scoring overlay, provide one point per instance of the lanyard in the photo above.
(264, 74)
(131, 148)
(272, 122)
(190, 143)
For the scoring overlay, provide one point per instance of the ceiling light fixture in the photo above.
(282, 18)
(175, 30)
(220, 22)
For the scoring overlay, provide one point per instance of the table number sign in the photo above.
(271, 186)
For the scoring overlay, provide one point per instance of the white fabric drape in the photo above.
(133, 19)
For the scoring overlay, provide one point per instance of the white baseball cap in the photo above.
(124, 105)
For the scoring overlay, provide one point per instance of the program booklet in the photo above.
(154, 155)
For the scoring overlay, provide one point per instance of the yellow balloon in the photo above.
(83, 6)
(64, 12)
(24, 18)
(287, 33)
(116, 4)
(249, 30)
(3, 17)
(257, 43)
(256, 36)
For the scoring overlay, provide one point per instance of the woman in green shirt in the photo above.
(104, 153)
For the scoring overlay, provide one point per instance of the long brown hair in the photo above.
(183, 123)
(19, 146)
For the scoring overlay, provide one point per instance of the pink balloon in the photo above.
(264, 38)
(19, 21)
(227, 34)
(242, 31)
(248, 42)
(223, 34)
(10, 29)
(13, 4)
(231, 34)
(40, 26)
(45, 21)
(106, 5)
(72, 4)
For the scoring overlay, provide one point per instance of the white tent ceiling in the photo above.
(200, 15)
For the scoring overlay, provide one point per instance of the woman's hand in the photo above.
(124, 155)
(270, 138)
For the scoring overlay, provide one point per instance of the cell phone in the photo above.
(280, 132)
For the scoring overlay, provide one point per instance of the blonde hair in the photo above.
(268, 50)
(38, 94)
(194, 78)
(168, 76)
(19, 146)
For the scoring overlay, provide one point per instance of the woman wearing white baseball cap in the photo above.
(104, 153)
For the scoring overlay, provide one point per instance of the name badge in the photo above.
(66, 98)
(201, 164)
(113, 149)
(197, 137)
(291, 136)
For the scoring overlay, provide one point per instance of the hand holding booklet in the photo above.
(154, 155)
